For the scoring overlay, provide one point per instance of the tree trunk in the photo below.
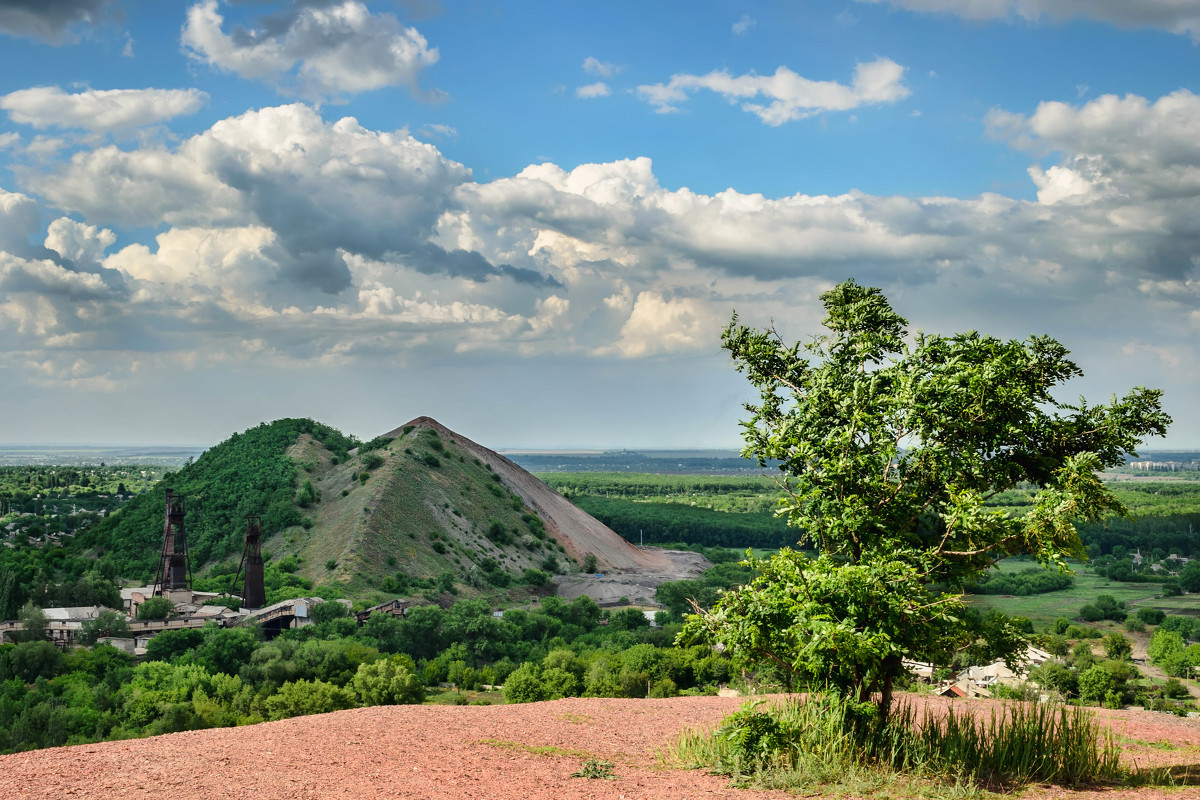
(891, 668)
(885, 699)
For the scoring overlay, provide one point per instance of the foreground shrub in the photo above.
(1151, 616)
(524, 685)
(1024, 743)
(300, 698)
(388, 681)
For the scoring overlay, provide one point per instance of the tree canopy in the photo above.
(888, 452)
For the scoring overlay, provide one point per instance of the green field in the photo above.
(1042, 609)
(1188, 604)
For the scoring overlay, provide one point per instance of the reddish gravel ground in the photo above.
(484, 752)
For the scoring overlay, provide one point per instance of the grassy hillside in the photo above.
(417, 509)
(249, 473)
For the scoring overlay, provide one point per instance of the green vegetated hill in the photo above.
(249, 473)
(392, 517)
(411, 509)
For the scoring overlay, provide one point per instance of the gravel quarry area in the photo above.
(637, 587)
(518, 752)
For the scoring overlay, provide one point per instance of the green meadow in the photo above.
(1042, 609)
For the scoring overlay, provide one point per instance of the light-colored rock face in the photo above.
(578, 532)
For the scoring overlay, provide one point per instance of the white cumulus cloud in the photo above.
(286, 239)
(785, 95)
(601, 69)
(743, 25)
(659, 324)
(19, 217)
(1177, 16)
(323, 53)
(97, 109)
(78, 241)
(598, 89)
(1142, 147)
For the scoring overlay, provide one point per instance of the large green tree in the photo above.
(889, 452)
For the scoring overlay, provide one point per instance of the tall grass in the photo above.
(1021, 743)
(823, 739)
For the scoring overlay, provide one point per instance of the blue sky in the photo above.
(531, 220)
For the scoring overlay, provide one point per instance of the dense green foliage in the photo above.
(42, 511)
(1163, 515)
(668, 522)
(216, 677)
(1169, 648)
(1187, 627)
(49, 577)
(30, 489)
(280, 578)
(1105, 606)
(890, 451)
(248, 473)
(1026, 582)
(155, 608)
(677, 597)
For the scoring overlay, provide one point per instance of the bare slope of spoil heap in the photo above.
(628, 573)
(577, 531)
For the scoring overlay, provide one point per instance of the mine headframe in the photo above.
(174, 565)
(254, 590)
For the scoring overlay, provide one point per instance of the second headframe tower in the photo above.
(254, 590)
(174, 567)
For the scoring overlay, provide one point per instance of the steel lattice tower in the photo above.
(174, 566)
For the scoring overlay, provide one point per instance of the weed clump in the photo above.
(595, 768)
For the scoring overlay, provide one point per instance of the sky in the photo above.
(532, 220)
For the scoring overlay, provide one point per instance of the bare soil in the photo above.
(493, 752)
